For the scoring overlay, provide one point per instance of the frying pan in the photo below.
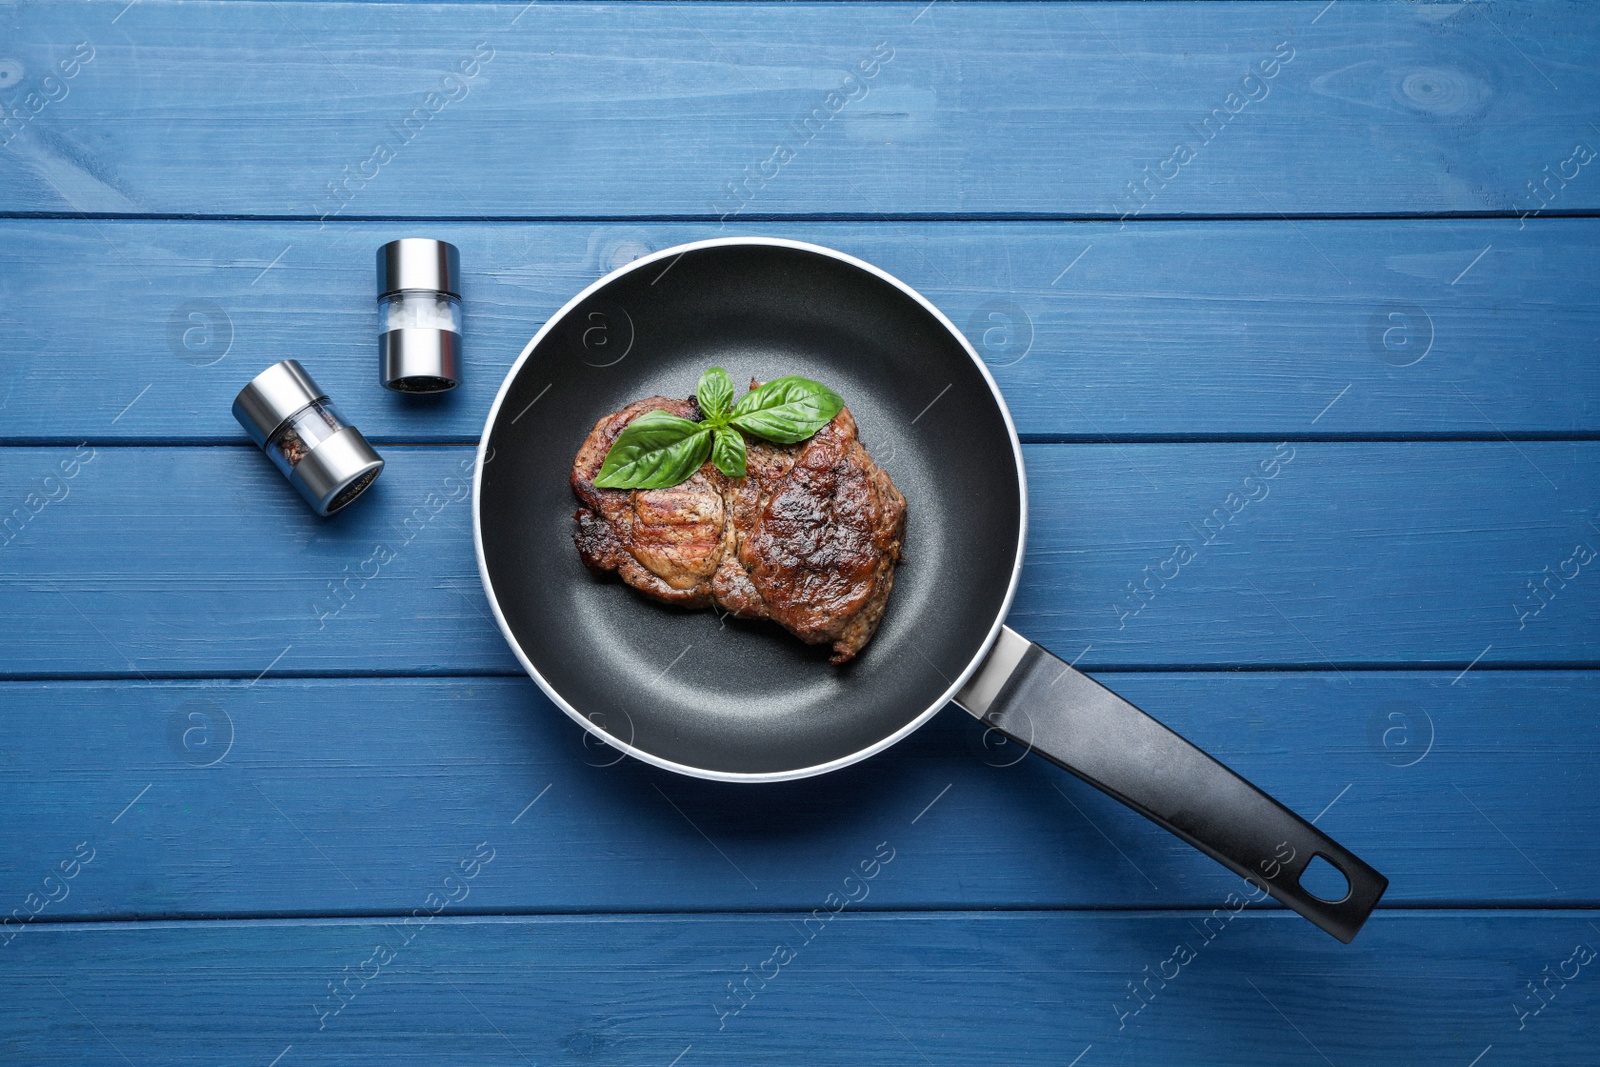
(716, 697)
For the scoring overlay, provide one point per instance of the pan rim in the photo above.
(704, 772)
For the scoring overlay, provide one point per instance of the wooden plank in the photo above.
(1093, 331)
(1335, 569)
(203, 561)
(302, 109)
(1430, 988)
(296, 797)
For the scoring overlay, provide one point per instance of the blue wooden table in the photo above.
(254, 812)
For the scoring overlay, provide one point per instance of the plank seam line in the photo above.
(814, 216)
(1270, 908)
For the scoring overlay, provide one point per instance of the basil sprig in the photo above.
(658, 449)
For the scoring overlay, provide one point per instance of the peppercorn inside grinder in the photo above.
(419, 315)
(292, 420)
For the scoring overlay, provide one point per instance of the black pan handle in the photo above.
(1040, 702)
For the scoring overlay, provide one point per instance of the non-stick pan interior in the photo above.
(723, 697)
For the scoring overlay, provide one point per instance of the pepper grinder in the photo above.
(419, 314)
(290, 418)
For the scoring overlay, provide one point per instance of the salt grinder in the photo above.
(419, 315)
(292, 420)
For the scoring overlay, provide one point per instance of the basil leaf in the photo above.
(786, 410)
(727, 451)
(715, 393)
(654, 451)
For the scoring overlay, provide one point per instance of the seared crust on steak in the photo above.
(808, 538)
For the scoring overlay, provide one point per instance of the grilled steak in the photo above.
(808, 538)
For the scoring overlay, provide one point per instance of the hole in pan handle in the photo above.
(1038, 701)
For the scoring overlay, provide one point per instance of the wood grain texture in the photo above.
(1093, 331)
(650, 110)
(1431, 988)
(189, 192)
(203, 560)
(303, 797)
